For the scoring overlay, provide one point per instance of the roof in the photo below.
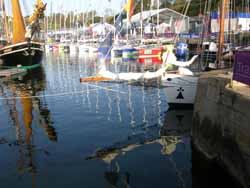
(164, 13)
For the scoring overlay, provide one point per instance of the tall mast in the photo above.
(18, 23)
(6, 25)
(55, 12)
(158, 14)
(222, 29)
(141, 20)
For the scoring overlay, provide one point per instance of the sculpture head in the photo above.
(40, 8)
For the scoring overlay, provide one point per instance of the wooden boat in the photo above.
(25, 48)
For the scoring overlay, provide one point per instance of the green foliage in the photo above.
(196, 6)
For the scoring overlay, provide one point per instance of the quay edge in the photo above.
(221, 124)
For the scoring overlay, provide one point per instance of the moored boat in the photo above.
(25, 48)
(129, 54)
(150, 55)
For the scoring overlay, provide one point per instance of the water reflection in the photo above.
(174, 132)
(24, 107)
(116, 178)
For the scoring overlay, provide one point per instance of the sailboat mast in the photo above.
(222, 29)
(141, 19)
(6, 25)
(158, 14)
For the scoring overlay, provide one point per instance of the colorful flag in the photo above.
(118, 24)
(129, 7)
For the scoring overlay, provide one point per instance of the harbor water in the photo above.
(57, 132)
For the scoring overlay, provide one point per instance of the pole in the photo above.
(158, 14)
(222, 29)
(6, 25)
(127, 25)
(141, 20)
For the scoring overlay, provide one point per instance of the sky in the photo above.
(75, 5)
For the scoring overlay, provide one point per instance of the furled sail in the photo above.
(18, 23)
(129, 7)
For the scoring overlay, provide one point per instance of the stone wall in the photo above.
(221, 128)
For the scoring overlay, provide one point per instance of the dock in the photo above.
(10, 73)
(221, 125)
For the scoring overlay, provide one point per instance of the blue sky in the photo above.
(67, 5)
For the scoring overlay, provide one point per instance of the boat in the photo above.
(150, 55)
(180, 89)
(24, 48)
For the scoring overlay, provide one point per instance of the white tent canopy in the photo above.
(177, 21)
(102, 28)
(164, 13)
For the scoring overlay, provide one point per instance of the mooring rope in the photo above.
(64, 93)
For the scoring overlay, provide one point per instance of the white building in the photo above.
(233, 22)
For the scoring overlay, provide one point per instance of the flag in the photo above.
(118, 24)
(129, 7)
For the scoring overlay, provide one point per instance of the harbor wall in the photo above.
(221, 126)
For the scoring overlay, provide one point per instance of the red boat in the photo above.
(55, 47)
(150, 55)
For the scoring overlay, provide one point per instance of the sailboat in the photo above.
(24, 48)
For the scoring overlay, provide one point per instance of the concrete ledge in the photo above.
(221, 128)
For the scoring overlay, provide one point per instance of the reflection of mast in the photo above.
(144, 118)
(87, 86)
(130, 106)
(27, 120)
(109, 105)
(159, 107)
(44, 120)
(25, 142)
(27, 116)
(97, 90)
(118, 103)
(14, 116)
(97, 99)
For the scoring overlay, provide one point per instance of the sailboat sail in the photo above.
(18, 23)
(129, 7)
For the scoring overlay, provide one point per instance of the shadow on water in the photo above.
(207, 174)
(22, 105)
